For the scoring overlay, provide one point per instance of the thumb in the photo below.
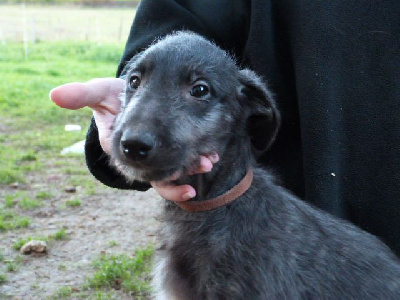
(100, 94)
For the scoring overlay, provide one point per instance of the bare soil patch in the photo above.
(110, 221)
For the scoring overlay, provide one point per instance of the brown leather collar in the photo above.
(231, 195)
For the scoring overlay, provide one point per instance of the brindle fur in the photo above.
(267, 244)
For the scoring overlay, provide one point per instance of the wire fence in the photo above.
(35, 23)
(93, 3)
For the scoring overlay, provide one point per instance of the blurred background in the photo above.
(40, 21)
(99, 241)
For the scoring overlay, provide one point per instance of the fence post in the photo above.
(33, 30)
(25, 30)
(2, 38)
(121, 23)
(98, 31)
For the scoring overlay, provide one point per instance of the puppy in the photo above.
(185, 97)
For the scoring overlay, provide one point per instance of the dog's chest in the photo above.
(173, 280)
(185, 265)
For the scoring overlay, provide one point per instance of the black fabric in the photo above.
(335, 69)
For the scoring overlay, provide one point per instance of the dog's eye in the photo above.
(134, 82)
(199, 91)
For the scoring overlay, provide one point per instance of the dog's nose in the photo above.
(137, 146)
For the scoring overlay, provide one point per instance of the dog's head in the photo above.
(186, 97)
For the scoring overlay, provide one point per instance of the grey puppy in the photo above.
(186, 97)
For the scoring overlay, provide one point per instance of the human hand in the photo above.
(101, 95)
(180, 193)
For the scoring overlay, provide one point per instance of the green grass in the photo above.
(129, 274)
(62, 293)
(3, 278)
(23, 201)
(20, 242)
(10, 220)
(59, 235)
(100, 295)
(9, 201)
(27, 203)
(9, 175)
(13, 265)
(32, 135)
(123, 272)
(26, 88)
(34, 126)
(67, 292)
(112, 243)
(73, 203)
(43, 195)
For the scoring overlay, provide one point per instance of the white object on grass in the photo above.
(72, 127)
(77, 148)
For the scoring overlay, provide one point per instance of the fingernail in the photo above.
(206, 168)
(214, 158)
(188, 195)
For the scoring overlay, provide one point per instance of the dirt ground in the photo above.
(110, 221)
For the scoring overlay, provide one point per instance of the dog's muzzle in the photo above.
(137, 146)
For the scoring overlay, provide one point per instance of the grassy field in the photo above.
(25, 107)
(31, 137)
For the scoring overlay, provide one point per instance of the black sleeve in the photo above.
(224, 22)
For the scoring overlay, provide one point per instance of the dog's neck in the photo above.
(234, 164)
(222, 200)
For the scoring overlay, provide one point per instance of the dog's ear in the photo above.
(263, 118)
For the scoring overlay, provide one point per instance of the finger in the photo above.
(205, 165)
(174, 193)
(213, 157)
(103, 123)
(99, 94)
(175, 176)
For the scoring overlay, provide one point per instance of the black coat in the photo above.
(335, 69)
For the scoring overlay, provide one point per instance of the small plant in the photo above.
(112, 243)
(73, 203)
(23, 200)
(3, 278)
(9, 201)
(43, 195)
(99, 295)
(123, 271)
(62, 292)
(59, 235)
(90, 190)
(11, 266)
(8, 175)
(28, 157)
(27, 203)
